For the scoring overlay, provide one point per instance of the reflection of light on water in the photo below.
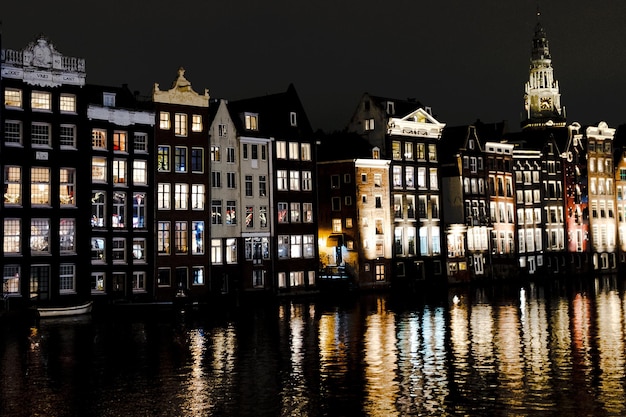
(610, 340)
(197, 399)
(381, 387)
(295, 394)
(508, 354)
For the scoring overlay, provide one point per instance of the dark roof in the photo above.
(274, 112)
(342, 145)
(402, 107)
(453, 138)
(124, 98)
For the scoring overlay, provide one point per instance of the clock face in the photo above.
(545, 103)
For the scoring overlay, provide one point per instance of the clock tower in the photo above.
(542, 99)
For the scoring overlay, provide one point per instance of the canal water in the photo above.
(519, 350)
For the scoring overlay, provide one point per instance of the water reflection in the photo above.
(554, 349)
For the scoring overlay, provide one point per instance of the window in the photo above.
(197, 274)
(97, 282)
(307, 181)
(369, 124)
(255, 151)
(12, 243)
(40, 134)
(294, 216)
(139, 250)
(13, 132)
(197, 160)
(12, 185)
(13, 98)
(98, 139)
(180, 237)
(119, 250)
(222, 130)
(336, 224)
(294, 151)
(249, 216)
(11, 279)
(40, 186)
(39, 236)
(164, 277)
(230, 155)
(420, 151)
(248, 185)
(196, 123)
(231, 180)
(181, 196)
(293, 119)
(216, 212)
(140, 142)
(216, 179)
(308, 246)
(180, 159)
(409, 177)
(67, 278)
(139, 281)
(281, 149)
(118, 216)
(139, 210)
(215, 153)
(281, 177)
(119, 171)
(108, 99)
(408, 151)
(197, 196)
(307, 212)
(163, 158)
(41, 100)
(231, 251)
(67, 136)
(379, 201)
(216, 251)
(335, 203)
(67, 185)
(294, 180)
(305, 151)
(396, 152)
(164, 196)
(119, 141)
(163, 238)
(283, 246)
(197, 237)
(258, 278)
(231, 212)
(295, 246)
(244, 150)
(164, 120)
(67, 103)
(262, 186)
(251, 121)
(98, 205)
(263, 216)
(282, 213)
(432, 152)
(140, 172)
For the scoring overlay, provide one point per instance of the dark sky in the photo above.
(465, 59)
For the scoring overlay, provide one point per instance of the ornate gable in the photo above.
(40, 64)
(417, 123)
(180, 93)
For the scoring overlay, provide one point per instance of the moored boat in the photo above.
(65, 311)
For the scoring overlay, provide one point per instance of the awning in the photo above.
(334, 240)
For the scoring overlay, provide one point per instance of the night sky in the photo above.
(465, 59)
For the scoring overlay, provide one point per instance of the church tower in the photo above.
(542, 99)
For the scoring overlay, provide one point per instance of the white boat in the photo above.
(65, 311)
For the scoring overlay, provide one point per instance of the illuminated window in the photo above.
(307, 212)
(40, 235)
(281, 177)
(119, 171)
(13, 98)
(396, 152)
(98, 208)
(263, 216)
(216, 251)
(197, 196)
(67, 136)
(180, 124)
(97, 282)
(216, 212)
(118, 250)
(222, 130)
(41, 100)
(294, 180)
(67, 103)
(12, 185)
(281, 150)
(294, 216)
(231, 212)
(294, 150)
(251, 121)
(336, 225)
(40, 186)
(249, 216)
(164, 120)
(118, 215)
(282, 213)
(99, 139)
(40, 134)
(163, 238)
(12, 242)
(197, 237)
(307, 181)
(369, 124)
(196, 123)
(283, 246)
(164, 196)
(119, 141)
(108, 99)
(12, 276)
(181, 196)
(197, 273)
(139, 250)
(163, 158)
(13, 132)
(180, 237)
(139, 210)
(305, 151)
(67, 186)
(140, 172)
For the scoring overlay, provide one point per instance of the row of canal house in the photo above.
(115, 198)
